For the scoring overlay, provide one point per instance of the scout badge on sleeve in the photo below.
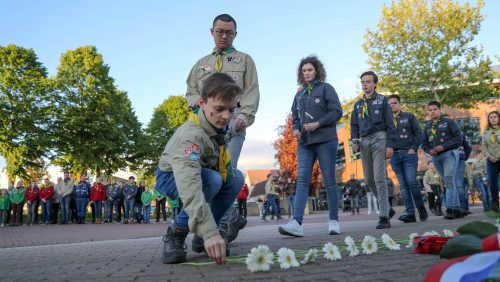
(192, 152)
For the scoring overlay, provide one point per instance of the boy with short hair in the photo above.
(196, 167)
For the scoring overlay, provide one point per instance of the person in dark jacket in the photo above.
(441, 141)
(461, 178)
(82, 195)
(138, 201)
(129, 193)
(354, 188)
(316, 110)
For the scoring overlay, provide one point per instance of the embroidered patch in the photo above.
(235, 77)
(205, 67)
(235, 60)
(377, 112)
(208, 152)
(192, 152)
(196, 147)
(194, 156)
(316, 101)
(187, 150)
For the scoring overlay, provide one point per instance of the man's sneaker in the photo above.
(383, 223)
(422, 214)
(408, 218)
(234, 227)
(333, 227)
(392, 212)
(292, 228)
(449, 214)
(174, 248)
(458, 213)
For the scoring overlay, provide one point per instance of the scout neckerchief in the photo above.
(225, 168)
(434, 129)
(493, 137)
(365, 102)
(395, 119)
(308, 88)
(219, 54)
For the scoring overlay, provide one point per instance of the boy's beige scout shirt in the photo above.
(241, 68)
(191, 148)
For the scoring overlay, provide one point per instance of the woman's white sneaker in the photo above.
(292, 228)
(333, 227)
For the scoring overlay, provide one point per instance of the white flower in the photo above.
(412, 237)
(351, 246)
(287, 258)
(431, 233)
(389, 242)
(331, 252)
(310, 256)
(259, 259)
(369, 245)
(448, 233)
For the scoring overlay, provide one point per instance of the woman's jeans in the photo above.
(65, 215)
(325, 153)
(218, 194)
(492, 170)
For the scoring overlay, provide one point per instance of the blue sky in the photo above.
(150, 46)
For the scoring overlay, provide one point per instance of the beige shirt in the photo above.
(490, 149)
(270, 187)
(432, 178)
(191, 148)
(241, 68)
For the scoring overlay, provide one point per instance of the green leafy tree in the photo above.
(25, 110)
(96, 128)
(167, 117)
(424, 50)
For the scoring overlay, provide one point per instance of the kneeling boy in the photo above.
(196, 167)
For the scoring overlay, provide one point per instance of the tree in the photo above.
(423, 50)
(286, 153)
(96, 128)
(167, 117)
(25, 110)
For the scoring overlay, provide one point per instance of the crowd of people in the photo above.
(67, 201)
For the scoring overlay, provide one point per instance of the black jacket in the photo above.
(408, 133)
(447, 135)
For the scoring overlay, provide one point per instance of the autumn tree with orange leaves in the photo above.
(286, 153)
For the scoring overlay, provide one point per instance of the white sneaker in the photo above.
(333, 227)
(378, 212)
(292, 228)
(369, 212)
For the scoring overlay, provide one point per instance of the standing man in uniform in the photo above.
(226, 59)
(404, 161)
(372, 130)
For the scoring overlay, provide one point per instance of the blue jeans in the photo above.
(46, 210)
(463, 193)
(493, 169)
(271, 202)
(108, 210)
(485, 192)
(325, 153)
(146, 211)
(81, 206)
(405, 166)
(117, 203)
(289, 201)
(32, 212)
(446, 165)
(129, 207)
(65, 215)
(218, 194)
(98, 209)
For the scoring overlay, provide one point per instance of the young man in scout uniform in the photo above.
(196, 167)
(441, 141)
(404, 161)
(226, 59)
(372, 130)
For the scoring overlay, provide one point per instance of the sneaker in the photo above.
(422, 214)
(392, 212)
(369, 212)
(383, 223)
(378, 212)
(458, 213)
(234, 227)
(292, 228)
(407, 218)
(174, 248)
(333, 227)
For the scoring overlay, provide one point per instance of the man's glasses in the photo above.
(228, 34)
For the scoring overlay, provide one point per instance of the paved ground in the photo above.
(133, 252)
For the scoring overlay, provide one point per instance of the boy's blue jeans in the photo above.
(146, 211)
(219, 195)
(446, 165)
(405, 167)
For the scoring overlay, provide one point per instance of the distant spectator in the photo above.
(390, 191)
(31, 197)
(478, 172)
(138, 201)
(354, 187)
(491, 150)
(175, 208)
(290, 189)
(129, 193)
(4, 206)
(434, 181)
(66, 193)
(111, 190)
(98, 196)
(242, 200)
(56, 202)
(160, 206)
(46, 198)
(17, 202)
(82, 194)
(146, 198)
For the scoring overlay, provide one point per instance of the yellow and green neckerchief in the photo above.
(219, 54)
(365, 103)
(225, 167)
(493, 135)
(433, 128)
(395, 120)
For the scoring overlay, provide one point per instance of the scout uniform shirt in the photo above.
(491, 143)
(408, 133)
(241, 68)
(374, 118)
(444, 132)
(192, 147)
